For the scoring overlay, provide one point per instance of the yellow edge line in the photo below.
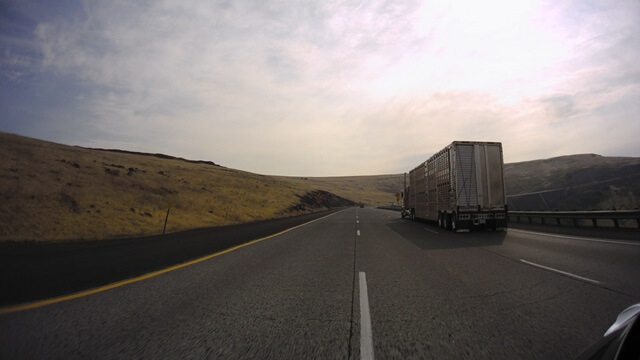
(41, 303)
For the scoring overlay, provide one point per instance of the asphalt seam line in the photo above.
(41, 303)
(435, 232)
(366, 335)
(578, 238)
(562, 272)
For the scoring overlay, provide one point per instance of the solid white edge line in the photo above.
(578, 237)
(366, 335)
(435, 232)
(562, 272)
(358, 232)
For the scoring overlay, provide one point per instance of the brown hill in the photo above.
(57, 192)
(574, 182)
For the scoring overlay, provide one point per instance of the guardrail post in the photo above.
(615, 223)
(638, 223)
(595, 222)
(575, 222)
(558, 222)
(530, 219)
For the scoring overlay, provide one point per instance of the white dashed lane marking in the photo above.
(562, 272)
(366, 335)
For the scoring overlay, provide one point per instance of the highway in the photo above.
(359, 283)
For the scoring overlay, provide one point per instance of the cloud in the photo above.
(561, 106)
(326, 87)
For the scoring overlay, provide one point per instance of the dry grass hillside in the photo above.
(369, 190)
(574, 182)
(58, 192)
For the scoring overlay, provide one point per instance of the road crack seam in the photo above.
(505, 291)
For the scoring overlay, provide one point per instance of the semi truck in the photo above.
(460, 187)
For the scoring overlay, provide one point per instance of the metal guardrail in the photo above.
(594, 216)
(396, 208)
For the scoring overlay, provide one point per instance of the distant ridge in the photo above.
(158, 155)
(574, 182)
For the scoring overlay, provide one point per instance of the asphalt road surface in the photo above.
(357, 283)
(31, 271)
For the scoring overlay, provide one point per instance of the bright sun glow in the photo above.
(489, 47)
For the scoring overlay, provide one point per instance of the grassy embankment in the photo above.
(574, 182)
(57, 192)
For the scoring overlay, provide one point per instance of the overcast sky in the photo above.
(324, 87)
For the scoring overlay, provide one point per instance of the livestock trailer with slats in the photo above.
(461, 186)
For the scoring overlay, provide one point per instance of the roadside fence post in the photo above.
(166, 219)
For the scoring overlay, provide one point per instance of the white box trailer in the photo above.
(461, 186)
